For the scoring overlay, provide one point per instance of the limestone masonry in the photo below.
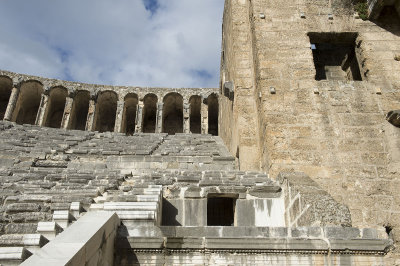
(293, 160)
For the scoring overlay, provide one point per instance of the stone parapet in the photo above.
(89, 241)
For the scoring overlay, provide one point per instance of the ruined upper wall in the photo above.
(62, 104)
(95, 89)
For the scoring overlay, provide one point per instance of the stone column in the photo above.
(204, 116)
(11, 103)
(159, 117)
(139, 117)
(118, 117)
(42, 108)
(186, 117)
(67, 110)
(91, 113)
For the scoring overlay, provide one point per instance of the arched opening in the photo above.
(28, 103)
(55, 107)
(212, 101)
(149, 113)
(195, 114)
(79, 111)
(5, 93)
(129, 114)
(173, 114)
(106, 109)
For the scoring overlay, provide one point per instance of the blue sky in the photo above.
(165, 43)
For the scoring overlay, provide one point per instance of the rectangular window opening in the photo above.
(335, 56)
(220, 211)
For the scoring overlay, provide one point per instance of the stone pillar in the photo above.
(11, 103)
(118, 116)
(42, 108)
(186, 117)
(159, 117)
(67, 110)
(91, 113)
(204, 116)
(139, 117)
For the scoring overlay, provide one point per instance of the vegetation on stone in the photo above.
(361, 7)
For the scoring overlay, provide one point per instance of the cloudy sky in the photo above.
(165, 43)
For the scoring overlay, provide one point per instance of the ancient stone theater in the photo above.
(293, 160)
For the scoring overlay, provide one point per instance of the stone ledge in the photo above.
(339, 233)
(261, 245)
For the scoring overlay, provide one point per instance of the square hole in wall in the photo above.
(335, 56)
(220, 211)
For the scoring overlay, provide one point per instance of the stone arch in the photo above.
(213, 110)
(28, 102)
(5, 93)
(55, 107)
(172, 113)
(195, 114)
(149, 113)
(129, 114)
(106, 109)
(79, 111)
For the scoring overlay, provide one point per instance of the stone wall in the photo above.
(334, 131)
(238, 120)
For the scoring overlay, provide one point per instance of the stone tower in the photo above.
(306, 86)
(293, 160)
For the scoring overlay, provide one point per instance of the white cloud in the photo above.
(114, 42)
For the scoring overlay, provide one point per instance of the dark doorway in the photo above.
(5, 93)
(213, 110)
(80, 108)
(149, 113)
(335, 56)
(195, 116)
(28, 102)
(55, 107)
(220, 211)
(106, 109)
(172, 114)
(129, 114)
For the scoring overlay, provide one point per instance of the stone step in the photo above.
(49, 229)
(32, 242)
(151, 206)
(63, 218)
(13, 255)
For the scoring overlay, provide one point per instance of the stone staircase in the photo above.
(51, 177)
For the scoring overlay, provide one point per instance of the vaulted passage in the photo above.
(389, 18)
(28, 103)
(129, 114)
(195, 114)
(106, 109)
(213, 110)
(149, 113)
(220, 211)
(79, 111)
(55, 107)
(5, 92)
(173, 114)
